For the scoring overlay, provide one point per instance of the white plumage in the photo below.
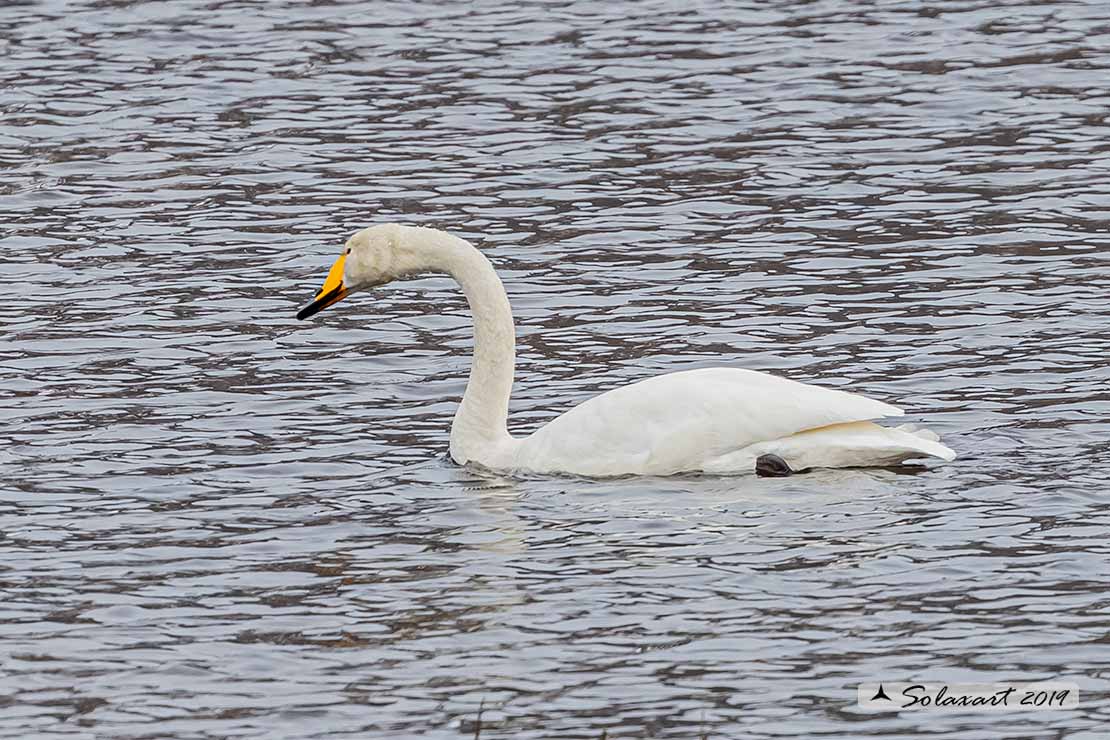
(712, 420)
(718, 420)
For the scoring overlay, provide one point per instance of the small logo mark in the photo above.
(880, 694)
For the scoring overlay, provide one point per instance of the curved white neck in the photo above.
(480, 430)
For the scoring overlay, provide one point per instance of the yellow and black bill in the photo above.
(333, 291)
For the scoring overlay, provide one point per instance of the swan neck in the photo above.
(480, 429)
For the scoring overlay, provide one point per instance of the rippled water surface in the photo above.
(220, 522)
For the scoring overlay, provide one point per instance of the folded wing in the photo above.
(676, 422)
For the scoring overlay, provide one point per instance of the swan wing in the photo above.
(678, 422)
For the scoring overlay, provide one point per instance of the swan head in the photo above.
(372, 257)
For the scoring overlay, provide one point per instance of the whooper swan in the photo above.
(712, 420)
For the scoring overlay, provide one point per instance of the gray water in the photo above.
(220, 522)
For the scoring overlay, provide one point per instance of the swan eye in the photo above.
(348, 250)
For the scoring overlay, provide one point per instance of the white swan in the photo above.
(716, 420)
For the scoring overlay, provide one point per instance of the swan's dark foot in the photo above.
(772, 466)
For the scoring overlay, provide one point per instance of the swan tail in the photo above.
(851, 445)
(861, 443)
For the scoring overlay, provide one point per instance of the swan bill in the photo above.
(323, 302)
(331, 292)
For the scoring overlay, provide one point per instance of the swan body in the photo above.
(710, 420)
(719, 420)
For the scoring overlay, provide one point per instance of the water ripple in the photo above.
(218, 521)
